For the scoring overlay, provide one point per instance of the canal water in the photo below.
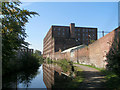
(36, 82)
(46, 76)
(28, 79)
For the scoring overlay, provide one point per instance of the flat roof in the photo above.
(73, 48)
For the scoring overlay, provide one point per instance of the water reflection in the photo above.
(54, 77)
(31, 78)
(46, 76)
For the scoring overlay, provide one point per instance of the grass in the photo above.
(79, 78)
(100, 69)
(79, 74)
(64, 64)
(112, 80)
(76, 75)
(69, 82)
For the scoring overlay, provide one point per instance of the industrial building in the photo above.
(60, 38)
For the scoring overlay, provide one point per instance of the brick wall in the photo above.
(95, 53)
(99, 49)
(83, 55)
(80, 55)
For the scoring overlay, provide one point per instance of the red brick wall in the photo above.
(80, 55)
(99, 49)
(58, 55)
(94, 54)
(83, 55)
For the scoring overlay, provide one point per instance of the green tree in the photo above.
(38, 52)
(113, 57)
(38, 55)
(14, 20)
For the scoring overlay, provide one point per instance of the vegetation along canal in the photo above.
(48, 75)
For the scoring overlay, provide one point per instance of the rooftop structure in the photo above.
(64, 37)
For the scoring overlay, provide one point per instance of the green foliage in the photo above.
(79, 75)
(65, 82)
(91, 41)
(29, 61)
(112, 80)
(25, 77)
(38, 53)
(13, 29)
(49, 61)
(92, 66)
(113, 57)
(25, 63)
(64, 64)
(38, 56)
(13, 33)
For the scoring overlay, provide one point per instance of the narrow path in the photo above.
(93, 78)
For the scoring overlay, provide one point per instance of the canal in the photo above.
(46, 76)
(33, 79)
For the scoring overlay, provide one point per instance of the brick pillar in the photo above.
(72, 30)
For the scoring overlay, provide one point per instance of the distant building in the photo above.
(60, 38)
(22, 51)
(30, 51)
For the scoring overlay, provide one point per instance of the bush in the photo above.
(49, 61)
(113, 57)
(27, 61)
(64, 64)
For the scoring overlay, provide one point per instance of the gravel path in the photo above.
(93, 78)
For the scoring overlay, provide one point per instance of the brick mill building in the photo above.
(60, 38)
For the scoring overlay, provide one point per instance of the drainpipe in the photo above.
(77, 56)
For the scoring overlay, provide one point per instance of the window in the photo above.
(87, 30)
(83, 30)
(78, 34)
(63, 29)
(86, 34)
(58, 33)
(87, 39)
(58, 29)
(79, 39)
(54, 29)
(83, 34)
(83, 38)
(63, 33)
(75, 30)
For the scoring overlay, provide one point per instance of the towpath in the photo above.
(94, 79)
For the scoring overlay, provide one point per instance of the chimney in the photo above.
(72, 30)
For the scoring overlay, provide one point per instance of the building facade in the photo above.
(60, 38)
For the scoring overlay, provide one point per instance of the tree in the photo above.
(13, 28)
(38, 52)
(113, 57)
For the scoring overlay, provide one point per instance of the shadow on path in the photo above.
(93, 78)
